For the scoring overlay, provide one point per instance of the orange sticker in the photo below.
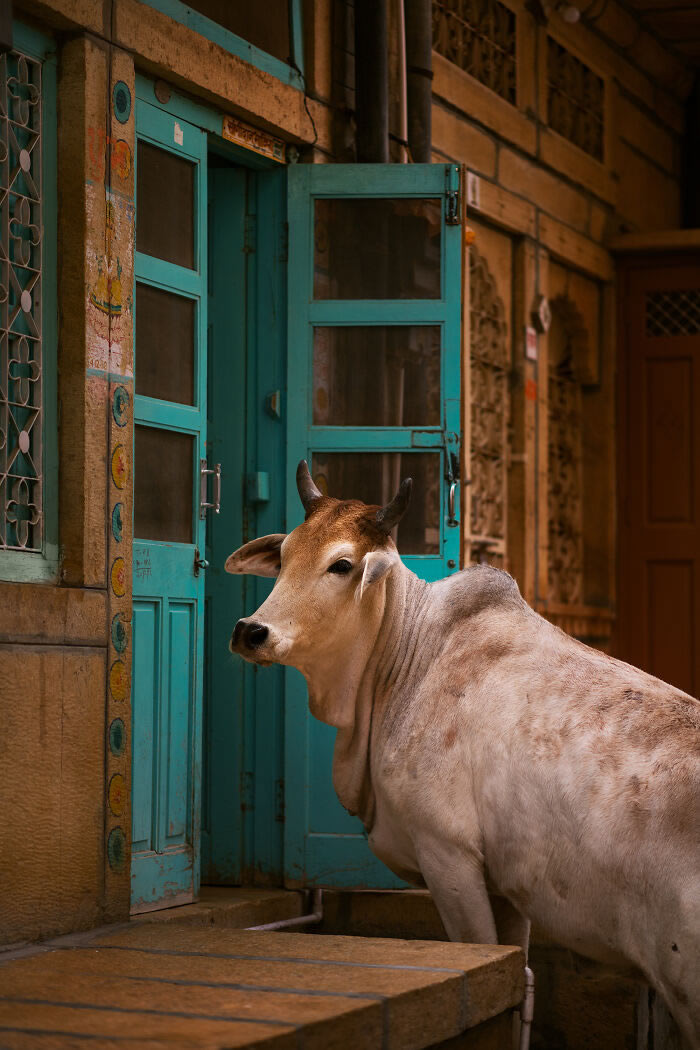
(531, 390)
(116, 794)
(118, 680)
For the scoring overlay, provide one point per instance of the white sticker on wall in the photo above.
(473, 191)
(177, 134)
(530, 343)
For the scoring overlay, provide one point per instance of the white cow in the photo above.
(516, 772)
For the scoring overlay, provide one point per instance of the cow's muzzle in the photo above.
(248, 636)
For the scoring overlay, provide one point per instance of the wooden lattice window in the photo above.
(575, 100)
(675, 311)
(489, 407)
(479, 37)
(567, 341)
(27, 310)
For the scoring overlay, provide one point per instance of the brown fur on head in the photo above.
(350, 515)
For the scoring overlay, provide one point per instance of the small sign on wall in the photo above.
(530, 343)
(254, 139)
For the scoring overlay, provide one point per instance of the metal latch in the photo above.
(204, 506)
(199, 563)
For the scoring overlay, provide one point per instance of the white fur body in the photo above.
(519, 774)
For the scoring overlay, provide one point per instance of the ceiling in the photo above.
(673, 22)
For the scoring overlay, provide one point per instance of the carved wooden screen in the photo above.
(478, 36)
(489, 407)
(565, 467)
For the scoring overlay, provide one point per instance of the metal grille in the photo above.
(489, 363)
(21, 502)
(575, 100)
(676, 312)
(479, 37)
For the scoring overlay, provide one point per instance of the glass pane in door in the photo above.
(165, 194)
(165, 338)
(374, 478)
(376, 376)
(163, 484)
(377, 248)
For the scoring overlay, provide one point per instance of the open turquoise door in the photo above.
(170, 303)
(374, 313)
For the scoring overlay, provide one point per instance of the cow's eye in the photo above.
(341, 567)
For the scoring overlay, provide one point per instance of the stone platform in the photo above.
(172, 984)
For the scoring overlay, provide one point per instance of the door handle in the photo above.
(204, 471)
(452, 521)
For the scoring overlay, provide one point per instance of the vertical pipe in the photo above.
(403, 96)
(372, 81)
(690, 171)
(419, 62)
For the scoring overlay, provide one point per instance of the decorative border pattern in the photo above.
(110, 309)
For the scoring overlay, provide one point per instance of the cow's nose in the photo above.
(249, 634)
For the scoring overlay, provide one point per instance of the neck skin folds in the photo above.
(344, 691)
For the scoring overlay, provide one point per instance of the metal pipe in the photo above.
(403, 88)
(312, 919)
(419, 63)
(371, 81)
(527, 1010)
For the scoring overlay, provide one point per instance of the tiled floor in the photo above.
(169, 984)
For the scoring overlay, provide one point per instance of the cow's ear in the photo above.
(375, 565)
(260, 557)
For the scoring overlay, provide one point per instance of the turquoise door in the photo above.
(170, 302)
(374, 312)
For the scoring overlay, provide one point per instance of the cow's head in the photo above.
(324, 611)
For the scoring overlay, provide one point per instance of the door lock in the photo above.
(199, 563)
(204, 506)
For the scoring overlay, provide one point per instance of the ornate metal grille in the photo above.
(675, 312)
(21, 454)
(575, 100)
(565, 461)
(479, 37)
(489, 360)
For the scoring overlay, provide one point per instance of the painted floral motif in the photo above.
(118, 577)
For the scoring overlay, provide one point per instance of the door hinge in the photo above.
(247, 786)
(279, 800)
(250, 234)
(453, 208)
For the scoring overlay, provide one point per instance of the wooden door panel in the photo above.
(146, 633)
(181, 644)
(658, 460)
(669, 600)
(669, 448)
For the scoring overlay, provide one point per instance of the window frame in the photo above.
(30, 566)
(236, 45)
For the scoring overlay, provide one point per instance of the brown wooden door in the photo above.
(658, 463)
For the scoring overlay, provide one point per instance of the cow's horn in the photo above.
(308, 493)
(392, 514)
